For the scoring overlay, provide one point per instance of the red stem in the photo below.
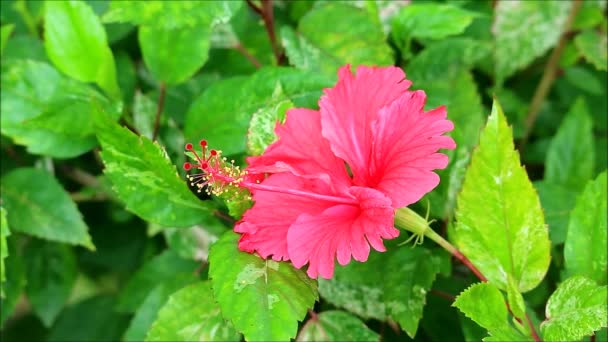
(266, 12)
(240, 48)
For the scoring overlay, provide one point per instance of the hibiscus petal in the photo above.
(302, 150)
(341, 231)
(264, 226)
(349, 108)
(406, 141)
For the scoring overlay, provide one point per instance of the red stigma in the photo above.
(187, 166)
(204, 166)
(213, 152)
(203, 143)
(188, 146)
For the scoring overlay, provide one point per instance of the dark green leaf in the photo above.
(161, 268)
(91, 320)
(191, 314)
(264, 299)
(146, 180)
(576, 309)
(193, 242)
(557, 202)
(570, 158)
(525, 30)
(146, 314)
(500, 225)
(4, 233)
(76, 43)
(15, 281)
(336, 326)
(585, 251)
(38, 205)
(388, 285)
(224, 123)
(51, 274)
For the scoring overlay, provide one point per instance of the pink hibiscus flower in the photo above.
(338, 174)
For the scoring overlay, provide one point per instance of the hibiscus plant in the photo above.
(323, 170)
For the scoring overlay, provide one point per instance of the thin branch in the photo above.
(159, 109)
(443, 295)
(224, 217)
(254, 7)
(592, 338)
(79, 176)
(83, 197)
(549, 75)
(240, 48)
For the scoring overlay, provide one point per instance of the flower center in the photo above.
(220, 178)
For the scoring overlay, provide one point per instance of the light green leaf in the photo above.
(525, 30)
(336, 326)
(161, 268)
(37, 204)
(264, 299)
(586, 245)
(576, 309)
(388, 285)
(515, 300)
(593, 46)
(224, 123)
(428, 20)
(76, 43)
(557, 202)
(326, 39)
(5, 33)
(147, 312)
(264, 120)
(4, 233)
(191, 314)
(456, 90)
(500, 225)
(51, 274)
(144, 114)
(171, 14)
(571, 155)
(47, 112)
(193, 242)
(146, 180)
(484, 304)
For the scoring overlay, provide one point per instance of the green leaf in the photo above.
(146, 180)
(5, 33)
(388, 285)
(515, 300)
(593, 46)
(146, 314)
(38, 205)
(51, 274)
(15, 280)
(4, 233)
(430, 21)
(484, 304)
(576, 309)
(76, 43)
(557, 202)
(326, 39)
(456, 90)
(500, 225)
(170, 14)
(161, 268)
(585, 249)
(264, 299)
(47, 112)
(448, 55)
(224, 123)
(192, 242)
(144, 114)
(525, 30)
(191, 314)
(22, 46)
(590, 14)
(91, 320)
(336, 326)
(264, 120)
(571, 155)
